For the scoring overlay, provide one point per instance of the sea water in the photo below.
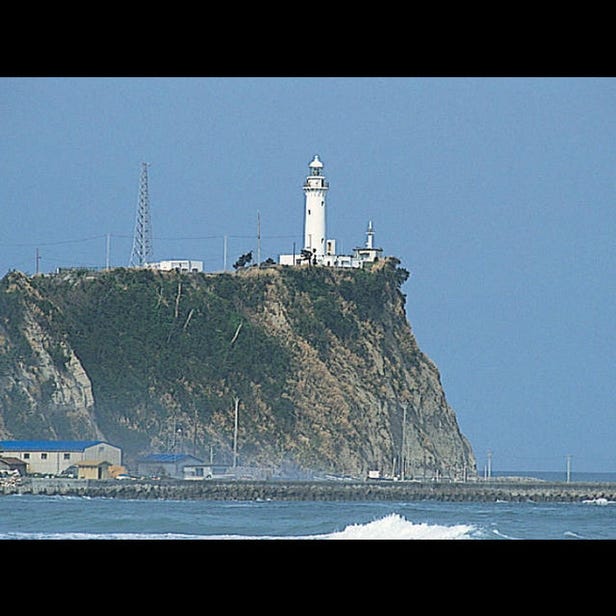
(78, 518)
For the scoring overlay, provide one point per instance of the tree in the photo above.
(307, 256)
(243, 260)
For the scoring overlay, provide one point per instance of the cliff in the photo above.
(322, 362)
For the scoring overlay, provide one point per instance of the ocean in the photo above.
(68, 518)
(34, 517)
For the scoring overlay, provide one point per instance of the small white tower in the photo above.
(315, 189)
(370, 236)
(368, 253)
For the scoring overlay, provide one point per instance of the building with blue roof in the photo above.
(165, 464)
(54, 457)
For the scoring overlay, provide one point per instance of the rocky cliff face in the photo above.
(321, 364)
(44, 390)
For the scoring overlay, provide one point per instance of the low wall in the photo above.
(485, 491)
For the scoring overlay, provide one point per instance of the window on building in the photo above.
(43, 456)
(67, 456)
(26, 456)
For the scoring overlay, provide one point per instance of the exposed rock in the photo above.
(44, 390)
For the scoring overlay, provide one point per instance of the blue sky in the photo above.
(497, 194)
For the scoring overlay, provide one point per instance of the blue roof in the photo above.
(46, 445)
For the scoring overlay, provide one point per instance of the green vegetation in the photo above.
(143, 335)
(11, 315)
(333, 302)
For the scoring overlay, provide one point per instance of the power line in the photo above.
(173, 239)
(57, 243)
(123, 236)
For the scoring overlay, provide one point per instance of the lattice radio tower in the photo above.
(142, 241)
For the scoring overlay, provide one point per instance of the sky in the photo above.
(497, 194)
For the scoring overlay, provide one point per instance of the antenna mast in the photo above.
(142, 240)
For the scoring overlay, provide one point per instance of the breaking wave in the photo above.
(394, 526)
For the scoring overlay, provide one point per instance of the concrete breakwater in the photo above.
(477, 491)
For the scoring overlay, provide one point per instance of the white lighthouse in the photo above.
(318, 250)
(315, 189)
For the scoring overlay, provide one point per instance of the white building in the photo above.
(53, 457)
(166, 464)
(179, 265)
(317, 249)
(368, 253)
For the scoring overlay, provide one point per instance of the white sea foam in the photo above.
(394, 526)
(497, 533)
(598, 501)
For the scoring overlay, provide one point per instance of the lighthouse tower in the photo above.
(315, 189)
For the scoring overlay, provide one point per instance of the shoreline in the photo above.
(235, 490)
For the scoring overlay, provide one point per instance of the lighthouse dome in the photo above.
(316, 163)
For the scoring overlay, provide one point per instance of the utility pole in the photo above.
(37, 260)
(173, 437)
(237, 401)
(107, 253)
(402, 453)
(258, 237)
(195, 433)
